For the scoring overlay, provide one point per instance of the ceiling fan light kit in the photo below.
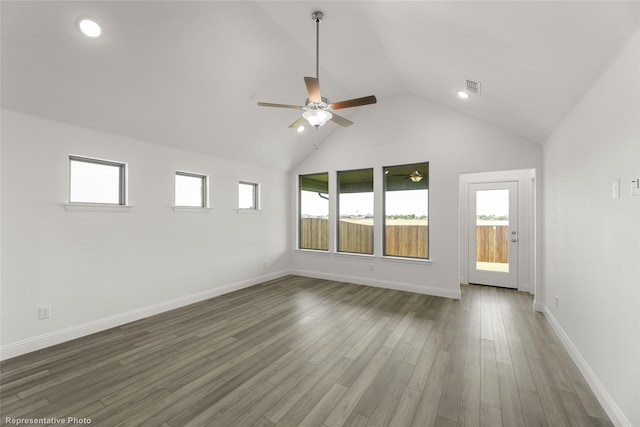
(317, 118)
(317, 109)
(415, 176)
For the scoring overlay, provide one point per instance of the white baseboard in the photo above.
(399, 286)
(52, 338)
(537, 306)
(608, 404)
(46, 340)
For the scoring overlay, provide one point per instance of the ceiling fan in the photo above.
(414, 176)
(317, 109)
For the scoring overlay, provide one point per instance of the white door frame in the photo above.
(526, 180)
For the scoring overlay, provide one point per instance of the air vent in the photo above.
(473, 86)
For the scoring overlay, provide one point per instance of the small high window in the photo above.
(314, 212)
(96, 181)
(406, 210)
(248, 195)
(191, 190)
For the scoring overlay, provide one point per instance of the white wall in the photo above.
(99, 269)
(592, 241)
(402, 130)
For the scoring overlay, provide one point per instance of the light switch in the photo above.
(635, 186)
(616, 189)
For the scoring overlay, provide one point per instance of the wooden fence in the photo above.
(491, 241)
(355, 237)
(407, 240)
(358, 238)
(314, 233)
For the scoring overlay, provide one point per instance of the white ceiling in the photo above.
(188, 74)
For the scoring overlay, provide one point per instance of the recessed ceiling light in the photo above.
(89, 27)
(463, 95)
(300, 128)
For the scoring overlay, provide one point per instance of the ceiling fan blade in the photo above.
(313, 88)
(298, 122)
(340, 120)
(269, 104)
(354, 102)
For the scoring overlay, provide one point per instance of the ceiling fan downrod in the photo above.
(317, 18)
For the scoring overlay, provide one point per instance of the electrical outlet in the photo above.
(635, 186)
(44, 312)
(615, 193)
(370, 267)
(556, 301)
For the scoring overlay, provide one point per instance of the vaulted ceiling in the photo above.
(188, 74)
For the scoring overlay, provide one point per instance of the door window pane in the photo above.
(406, 205)
(96, 181)
(314, 212)
(355, 210)
(492, 230)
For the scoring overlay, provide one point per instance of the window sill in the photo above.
(248, 211)
(97, 207)
(313, 251)
(414, 261)
(354, 255)
(191, 209)
(406, 260)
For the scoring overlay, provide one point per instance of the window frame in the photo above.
(256, 196)
(337, 224)
(384, 213)
(122, 180)
(299, 195)
(204, 191)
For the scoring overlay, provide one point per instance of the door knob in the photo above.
(514, 240)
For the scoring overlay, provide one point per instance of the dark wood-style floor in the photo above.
(307, 352)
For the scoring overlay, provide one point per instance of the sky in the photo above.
(99, 183)
(492, 202)
(488, 202)
(397, 203)
(94, 183)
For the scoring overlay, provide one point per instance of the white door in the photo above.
(493, 234)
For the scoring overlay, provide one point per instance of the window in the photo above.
(314, 211)
(248, 195)
(96, 181)
(355, 210)
(406, 210)
(191, 190)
